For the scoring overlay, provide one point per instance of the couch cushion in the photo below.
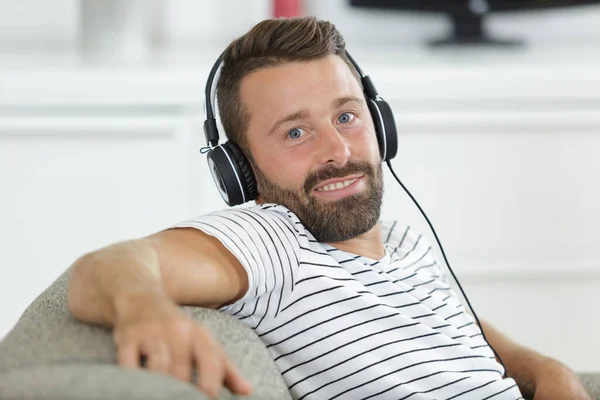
(47, 335)
(94, 381)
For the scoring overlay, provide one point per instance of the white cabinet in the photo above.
(500, 151)
(73, 182)
(505, 160)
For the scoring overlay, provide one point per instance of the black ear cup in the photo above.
(245, 168)
(385, 126)
(232, 174)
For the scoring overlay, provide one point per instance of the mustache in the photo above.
(330, 172)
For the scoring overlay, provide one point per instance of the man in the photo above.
(349, 306)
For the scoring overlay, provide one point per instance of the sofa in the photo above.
(50, 355)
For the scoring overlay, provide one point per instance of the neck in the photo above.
(369, 244)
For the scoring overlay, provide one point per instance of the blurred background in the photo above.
(498, 111)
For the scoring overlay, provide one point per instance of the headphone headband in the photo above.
(210, 95)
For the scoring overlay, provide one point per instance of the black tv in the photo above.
(468, 16)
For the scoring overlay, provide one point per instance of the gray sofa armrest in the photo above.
(591, 381)
(49, 355)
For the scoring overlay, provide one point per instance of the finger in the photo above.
(234, 380)
(210, 366)
(158, 357)
(128, 355)
(181, 361)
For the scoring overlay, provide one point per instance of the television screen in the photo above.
(464, 5)
(468, 16)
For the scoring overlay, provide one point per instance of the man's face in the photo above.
(314, 146)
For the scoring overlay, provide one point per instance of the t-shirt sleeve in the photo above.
(265, 241)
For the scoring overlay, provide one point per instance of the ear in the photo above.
(259, 199)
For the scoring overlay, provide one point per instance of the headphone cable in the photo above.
(389, 164)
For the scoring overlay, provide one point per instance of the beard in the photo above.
(330, 221)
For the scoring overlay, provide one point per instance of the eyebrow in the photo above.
(304, 113)
(292, 117)
(347, 99)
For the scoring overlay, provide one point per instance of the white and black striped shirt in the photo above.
(343, 326)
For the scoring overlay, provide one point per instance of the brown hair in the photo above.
(270, 43)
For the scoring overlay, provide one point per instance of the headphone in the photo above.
(231, 170)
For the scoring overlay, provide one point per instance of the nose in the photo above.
(333, 147)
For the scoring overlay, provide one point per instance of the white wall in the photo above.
(40, 23)
(45, 22)
(500, 148)
(188, 21)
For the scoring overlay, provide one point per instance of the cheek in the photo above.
(278, 165)
(288, 169)
(291, 169)
(366, 146)
(374, 148)
(374, 145)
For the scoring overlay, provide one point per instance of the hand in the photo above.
(151, 325)
(557, 382)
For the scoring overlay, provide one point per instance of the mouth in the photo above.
(340, 187)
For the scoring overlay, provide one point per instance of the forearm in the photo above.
(522, 364)
(101, 281)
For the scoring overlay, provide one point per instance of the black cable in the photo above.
(389, 164)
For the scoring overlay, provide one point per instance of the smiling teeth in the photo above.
(337, 185)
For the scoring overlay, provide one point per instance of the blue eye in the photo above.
(344, 118)
(295, 133)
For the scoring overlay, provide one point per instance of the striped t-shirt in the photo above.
(343, 326)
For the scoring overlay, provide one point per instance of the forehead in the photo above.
(275, 91)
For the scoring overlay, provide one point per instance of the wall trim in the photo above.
(512, 270)
(108, 126)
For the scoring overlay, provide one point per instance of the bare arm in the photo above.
(535, 374)
(521, 363)
(135, 287)
(183, 265)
